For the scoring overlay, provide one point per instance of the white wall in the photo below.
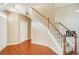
(14, 31)
(17, 28)
(41, 35)
(3, 32)
(68, 16)
(47, 10)
(13, 28)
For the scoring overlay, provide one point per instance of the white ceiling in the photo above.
(37, 4)
(62, 4)
(23, 7)
(27, 5)
(3, 6)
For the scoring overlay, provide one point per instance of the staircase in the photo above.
(60, 37)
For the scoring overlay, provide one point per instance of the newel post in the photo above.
(64, 41)
(75, 44)
(48, 23)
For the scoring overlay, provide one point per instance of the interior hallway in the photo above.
(47, 25)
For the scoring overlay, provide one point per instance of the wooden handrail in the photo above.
(56, 29)
(67, 28)
(48, 21)
(64, 26)
(40, 13)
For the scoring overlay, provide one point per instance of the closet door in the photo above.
(23, 30)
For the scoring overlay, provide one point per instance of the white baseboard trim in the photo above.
(47, 46)
(3, 47)
(16, 42)
(55, 50)
(13, 43)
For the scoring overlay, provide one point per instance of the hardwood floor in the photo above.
(25, 48)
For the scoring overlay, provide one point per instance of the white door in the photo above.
(23, 30)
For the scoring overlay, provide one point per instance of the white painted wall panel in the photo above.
(23, 30)
(3, 32)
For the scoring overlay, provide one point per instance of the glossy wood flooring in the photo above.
(25, 48)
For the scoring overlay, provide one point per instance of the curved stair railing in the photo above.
(61, 38)
(74, 49)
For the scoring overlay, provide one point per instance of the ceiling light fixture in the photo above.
(77, 10)
(12, 8)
